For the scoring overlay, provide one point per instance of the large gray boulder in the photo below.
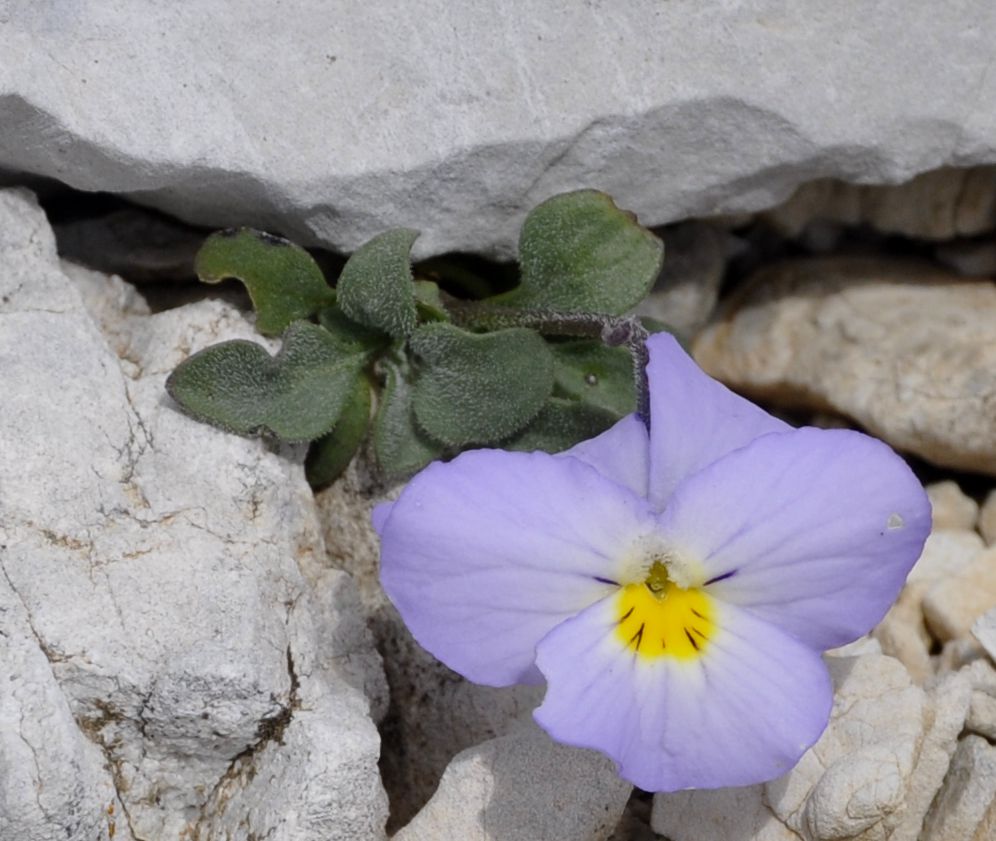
(340, 119)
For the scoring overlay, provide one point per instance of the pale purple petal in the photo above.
(621, 453)
(486, 554)
(742, 713)
(814, 530)
(694, 419)
(379, 515)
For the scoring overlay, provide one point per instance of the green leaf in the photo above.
(284, 282)
(296, 395)
(331, 454)
(579, 252)
(479, 389)
(429, 302)
(375, 287)
(348, 333)
(595, 374)
(400, 447)
(560, 425)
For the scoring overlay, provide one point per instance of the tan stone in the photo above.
(905, 350)
(965, 807)
(984, 630)
(982, 715)
(903, 633)
(953, 604)
(945, 554)
(987, 519)
(947, 708)
(940, 204)
(952, 509)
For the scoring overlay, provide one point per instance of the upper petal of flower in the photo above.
(484, 555)
(813, 530)
(743, 712)
(694, 419)
(621, 453)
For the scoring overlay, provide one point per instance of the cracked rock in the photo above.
(458, 130)
(905, 350)
(168, 573)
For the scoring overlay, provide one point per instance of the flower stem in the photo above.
(611, 330)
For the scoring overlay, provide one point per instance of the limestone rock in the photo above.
(940, 205)
(903, 634)
(458, 130)
(945, 554)
(987, 519)
(520, 787)
(954, 603)
(167, 573)
(908, 352)
(984, 631)
(965, 807)
(951, 507)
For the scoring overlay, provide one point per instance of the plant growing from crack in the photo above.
(390, 357)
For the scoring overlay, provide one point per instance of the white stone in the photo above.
(945, 554)
(168, 572)
(965, 807)
(905, 350)
(987, 518)
(952, 604)
(951, 507)
(521, 787)
(380, 120)
(984, 630)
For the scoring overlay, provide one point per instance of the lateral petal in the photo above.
(813, 530)
(484, 555)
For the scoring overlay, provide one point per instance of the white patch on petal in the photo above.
(895, 522)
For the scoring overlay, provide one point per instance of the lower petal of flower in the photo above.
(740, 710)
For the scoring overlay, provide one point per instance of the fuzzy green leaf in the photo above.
(429, 302)
(579, 252)
(283, 280)
(331, 454)
(375, 287)
(595, 374)
(479, 388)
(400, 447)
(296, 395)
(560, 425)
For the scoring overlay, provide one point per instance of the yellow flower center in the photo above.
(657, 618)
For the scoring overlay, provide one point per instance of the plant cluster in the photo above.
(390, 356)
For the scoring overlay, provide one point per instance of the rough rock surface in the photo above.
(939, 205)
(952, 605)
(908, 352)
(871, 776)
(190, 668)
(520, 787)
(965, 807)
(951, 508)
(379, 121)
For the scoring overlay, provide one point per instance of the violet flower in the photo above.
(674, 589)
